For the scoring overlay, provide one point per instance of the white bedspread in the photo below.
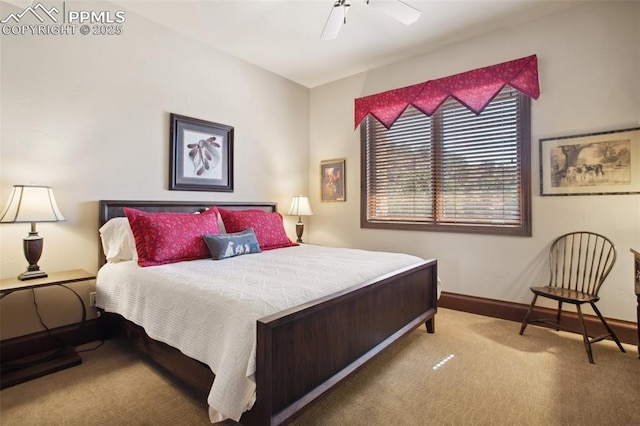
(208, 309)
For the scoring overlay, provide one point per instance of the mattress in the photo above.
(208, 309)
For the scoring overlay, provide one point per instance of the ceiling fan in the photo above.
(394, 8)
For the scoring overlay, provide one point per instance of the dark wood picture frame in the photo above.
(201, 156)
(333, 181)
(591, 164)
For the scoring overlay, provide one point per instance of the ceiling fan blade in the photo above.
(334, 22)
(398, 10)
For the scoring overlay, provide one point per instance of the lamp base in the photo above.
(32, 246)
(31, 275)
(299, 230)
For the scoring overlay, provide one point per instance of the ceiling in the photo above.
(284, 36)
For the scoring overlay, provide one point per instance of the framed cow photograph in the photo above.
(591, 164)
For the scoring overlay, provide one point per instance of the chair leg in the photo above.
(558, 315)
(525, 321)
(585, 337)
(609, 330)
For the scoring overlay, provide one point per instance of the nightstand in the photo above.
(18, 371)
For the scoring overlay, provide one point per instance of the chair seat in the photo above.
(565, 295)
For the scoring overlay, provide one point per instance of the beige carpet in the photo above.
(493, 376)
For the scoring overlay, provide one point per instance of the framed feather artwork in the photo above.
(201, 157)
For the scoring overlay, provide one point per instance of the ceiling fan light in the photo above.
(396, 9)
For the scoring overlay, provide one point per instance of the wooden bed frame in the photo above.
(304, 351)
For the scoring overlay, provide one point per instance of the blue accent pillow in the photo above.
(223, 246)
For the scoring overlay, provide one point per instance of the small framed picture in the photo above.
(201, 155)
(332, 180)
(591, 164)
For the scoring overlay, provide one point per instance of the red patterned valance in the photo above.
(473, 89)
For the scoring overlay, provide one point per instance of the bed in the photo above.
(302, 351)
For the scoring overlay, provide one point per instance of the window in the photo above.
(454, 171)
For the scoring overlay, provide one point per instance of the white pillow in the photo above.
(118, 243)
(221, 228)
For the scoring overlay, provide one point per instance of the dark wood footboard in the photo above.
(304, 351)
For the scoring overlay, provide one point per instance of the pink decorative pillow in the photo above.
(171, 237)
(267, 226)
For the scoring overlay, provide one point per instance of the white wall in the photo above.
(89, 116)
(589, 68)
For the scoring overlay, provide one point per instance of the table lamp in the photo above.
(31, 203)
(300, 207)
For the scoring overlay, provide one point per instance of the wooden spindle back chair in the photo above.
(579, 263)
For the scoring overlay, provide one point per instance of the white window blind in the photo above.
(453, 171)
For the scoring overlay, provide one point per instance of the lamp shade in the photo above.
(31, 203)
(300, 206)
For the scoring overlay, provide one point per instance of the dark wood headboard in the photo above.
(113, 208)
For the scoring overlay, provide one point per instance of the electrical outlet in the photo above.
(92, 299)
